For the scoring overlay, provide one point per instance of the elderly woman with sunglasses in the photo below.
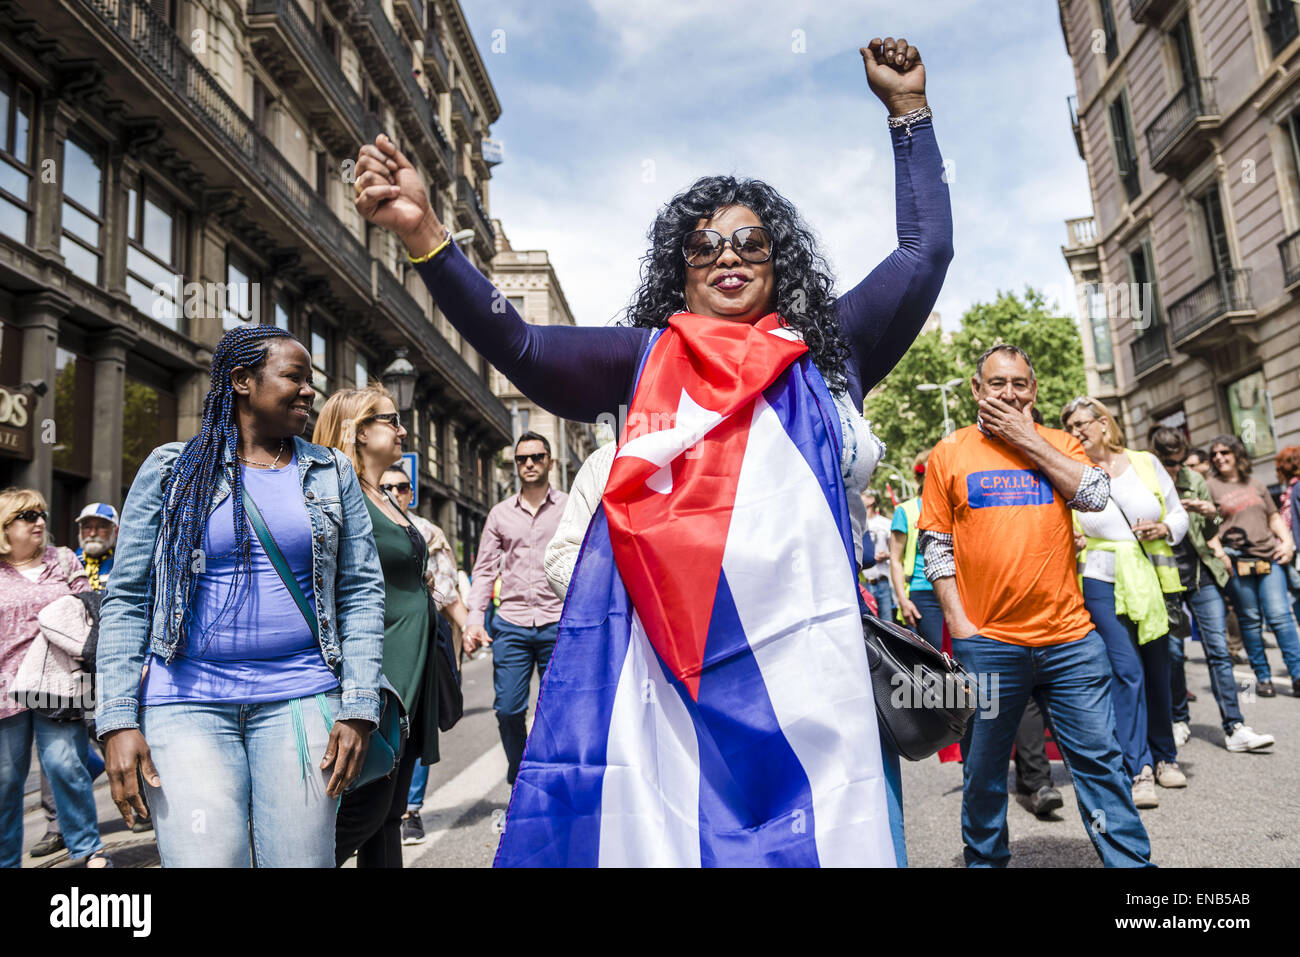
(1127, 567)
(730, 261)
(1255, 543)
(34, 573)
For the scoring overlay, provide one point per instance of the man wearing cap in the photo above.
(97, 538)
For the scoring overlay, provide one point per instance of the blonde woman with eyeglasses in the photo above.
(34, 573)
(1127, 566)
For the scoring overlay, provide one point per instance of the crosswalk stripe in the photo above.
(444, 808)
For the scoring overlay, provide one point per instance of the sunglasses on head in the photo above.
(536, 457)
(31, 515)
(401, 488)
(702, 247)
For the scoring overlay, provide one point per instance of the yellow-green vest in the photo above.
(912, 509)
(1159, 551)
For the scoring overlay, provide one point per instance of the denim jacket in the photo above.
(346, 574)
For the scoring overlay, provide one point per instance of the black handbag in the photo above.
(451, 699)
(924, 698)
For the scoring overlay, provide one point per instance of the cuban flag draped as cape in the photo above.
(708, 702)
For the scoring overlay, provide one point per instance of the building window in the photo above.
(73, 412)
(282, 311)
(243, 293)
(1099, 322)
(16, 108)
(1216, 231)
(322, 349)
(1126, 156)
(148, 421)
(1248, 409)
(434, 463)
(361, 372)
(1146, 309)
(83, 211)
(1185, 51)
(153, 254)
(1108, 27)
(1280, 23)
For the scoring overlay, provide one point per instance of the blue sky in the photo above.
(609, 107)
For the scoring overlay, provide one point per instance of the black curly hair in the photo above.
(805, 299)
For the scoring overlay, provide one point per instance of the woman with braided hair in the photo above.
(249, 722)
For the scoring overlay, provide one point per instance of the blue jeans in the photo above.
(516, 650)
(419, 783)
(228, 771)
(884, 596)
(61, 746)
(1211, 617)
(1140, 683)
(1256, 597)
(1071, 683)
(930, 627)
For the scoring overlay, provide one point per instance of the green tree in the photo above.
(910, 421)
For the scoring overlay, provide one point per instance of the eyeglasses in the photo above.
(392, 418)
(31, 515)
(537, 457)
(401, 488)
(702, 247)
(1077, 427)
(1219, 453)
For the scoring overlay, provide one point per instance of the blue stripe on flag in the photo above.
(554, 814)
(756, 806)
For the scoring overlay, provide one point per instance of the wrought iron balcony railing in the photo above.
(1224, 292)
(467, 195)
(1150, 349)
(1194, 101)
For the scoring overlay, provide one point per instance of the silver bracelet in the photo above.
(908, 119)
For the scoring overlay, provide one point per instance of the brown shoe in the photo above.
(1265, 689)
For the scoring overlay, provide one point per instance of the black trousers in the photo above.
(370, 818)
(1033, 769)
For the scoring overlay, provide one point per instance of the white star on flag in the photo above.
(691, 423)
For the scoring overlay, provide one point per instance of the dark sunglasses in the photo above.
(1171, 463)
(537, 457)
(400, 488)
(31, 515)
(702, 247)
(1216, 453)
(392, 418)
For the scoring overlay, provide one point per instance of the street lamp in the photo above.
(931, 387)
(399, 379)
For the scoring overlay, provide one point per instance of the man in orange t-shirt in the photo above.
(999, 549)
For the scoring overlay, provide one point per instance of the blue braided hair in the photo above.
(188, 494)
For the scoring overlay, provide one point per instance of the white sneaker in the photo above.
(1144, 789)
(1182, 733)
(1243, 738)
(1170, 775)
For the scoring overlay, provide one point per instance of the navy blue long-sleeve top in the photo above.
(580, 372)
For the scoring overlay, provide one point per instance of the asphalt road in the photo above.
(1237, 810)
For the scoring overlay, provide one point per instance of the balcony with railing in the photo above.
(1072, 103)
(1289, 250)
(1281, 27)
(381, 41)
(1150, 349)
(468, 204)
(462, 114)
(1180, 133)
(436, 66)
(279, 29)
(178, 74)
(411, 13)
(1149, 11)
(1081, 233)
(1206, 315)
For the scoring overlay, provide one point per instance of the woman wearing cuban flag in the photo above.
(708, 702)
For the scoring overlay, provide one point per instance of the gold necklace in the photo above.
(29, 561)
(263, 464)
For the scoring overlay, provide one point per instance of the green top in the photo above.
(406, 607)
(1190, 484)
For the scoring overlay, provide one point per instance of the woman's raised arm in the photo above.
(883, 314)
(574, 372)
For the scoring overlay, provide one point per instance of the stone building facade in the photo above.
(169, 168)
(1187, 113)
(528, 280)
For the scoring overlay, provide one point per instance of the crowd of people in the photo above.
(264, 617)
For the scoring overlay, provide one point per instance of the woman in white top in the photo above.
(1127, 565)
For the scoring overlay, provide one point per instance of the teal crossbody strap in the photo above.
(277, 559)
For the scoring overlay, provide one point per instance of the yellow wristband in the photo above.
(427, 256)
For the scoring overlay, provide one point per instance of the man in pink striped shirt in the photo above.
(513, 545)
